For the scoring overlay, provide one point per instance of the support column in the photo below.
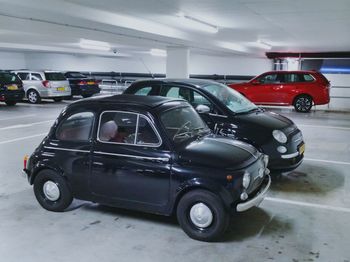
(177, 62)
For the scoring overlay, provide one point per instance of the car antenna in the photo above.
(147, 68)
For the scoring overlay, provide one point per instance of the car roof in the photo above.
(131, 100)
(292, 71)
(185, 81)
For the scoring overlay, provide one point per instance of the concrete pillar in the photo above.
(177, 62)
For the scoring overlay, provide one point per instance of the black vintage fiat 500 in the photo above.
(229, 113)
(153, 154)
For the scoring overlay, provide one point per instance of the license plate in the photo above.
(61, 89)
(302, 149)
(90, 83)
(12, 87)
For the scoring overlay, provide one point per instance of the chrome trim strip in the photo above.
(290, 155)
(67, 149)
(256, 200)
(163, 159)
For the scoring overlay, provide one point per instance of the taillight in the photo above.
(82, 83)
(46, 83)
(25, 160)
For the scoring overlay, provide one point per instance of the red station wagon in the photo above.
(302, 89)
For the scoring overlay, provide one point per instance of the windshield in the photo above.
(236, 102)
(183, 123)
(55, 76)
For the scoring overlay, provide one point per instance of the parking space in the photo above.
(304, 218)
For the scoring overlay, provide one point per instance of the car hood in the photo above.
(218, 152)
(264, 119)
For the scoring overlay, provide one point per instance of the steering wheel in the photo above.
(182, 127)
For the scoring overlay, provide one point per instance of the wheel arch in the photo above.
(302, 94)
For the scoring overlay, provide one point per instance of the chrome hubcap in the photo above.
(51, 190)
(32, 97)
(201, 215)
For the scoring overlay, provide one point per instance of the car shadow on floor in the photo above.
(309, 179)
(255, 221)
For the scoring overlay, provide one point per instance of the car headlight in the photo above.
(246, 180)
(279, 136)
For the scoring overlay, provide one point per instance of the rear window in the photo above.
(55, 76)
(308, 78)
(76, 75)
(9, 78)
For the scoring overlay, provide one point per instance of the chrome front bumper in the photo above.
(256, 200)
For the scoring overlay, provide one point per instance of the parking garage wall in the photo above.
(12, 60)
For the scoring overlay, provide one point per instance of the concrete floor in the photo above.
(305, 218)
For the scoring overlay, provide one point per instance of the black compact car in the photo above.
(11, 88)
(229, 113)
(152, 154)
(81, 85)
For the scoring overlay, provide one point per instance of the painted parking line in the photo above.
(26, 125)
(306, 204)
(328, 161)
(327, 127)
(21, 138)
(16, 117)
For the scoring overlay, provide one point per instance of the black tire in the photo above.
(33, 96)
(220, 220)
(11, 103)
(58, 99)
(303, 103)
(87, 95)
(65, 196)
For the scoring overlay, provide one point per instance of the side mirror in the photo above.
(202, 109)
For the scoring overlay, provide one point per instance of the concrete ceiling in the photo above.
(134, 26)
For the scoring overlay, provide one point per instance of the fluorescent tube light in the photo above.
(233, 46)
(262, 44)
(94, 45)
(197, 24)
(158, 52)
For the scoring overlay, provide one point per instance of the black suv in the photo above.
(152, 154)
(11, 88)
(81, 85)
(229, 113)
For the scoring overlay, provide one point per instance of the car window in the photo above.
(144, 91)
(191, 96)
(308, 78)
(9, 78)
(23, 76)
(36, 77)
(293, 78)
(271, 79)
(126, 128)
(54, 76)
(76, 127)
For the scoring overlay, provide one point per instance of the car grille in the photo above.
(256, 178)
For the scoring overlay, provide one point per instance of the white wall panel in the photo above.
(12, 60)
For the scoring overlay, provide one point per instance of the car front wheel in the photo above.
(52, 191)
(58, 99)
(10, 103)
(202, 215)
(303, 103)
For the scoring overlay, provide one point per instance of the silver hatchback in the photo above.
(44, 84)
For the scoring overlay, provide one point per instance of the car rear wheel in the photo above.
(202, 215)
(303, 103)
(10, 103)
(33, 96)
(52, 191)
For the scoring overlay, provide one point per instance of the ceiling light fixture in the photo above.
(197, 24)
(94, 45)
(264, 45)
(158, 52)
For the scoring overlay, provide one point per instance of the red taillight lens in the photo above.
(46, 83)
(82, 83)
(25, 160)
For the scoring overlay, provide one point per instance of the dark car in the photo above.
(81, 85)
(11, 88)
(229, 113)
(152, 154)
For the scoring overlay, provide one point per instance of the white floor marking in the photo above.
(21, 138)
(305, 204)
(26, 125)
(327, 161)
(328, 127)
(15, 117)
